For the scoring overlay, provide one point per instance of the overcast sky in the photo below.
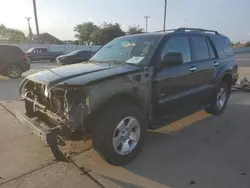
(58, 17)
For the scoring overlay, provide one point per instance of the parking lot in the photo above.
(197, 151)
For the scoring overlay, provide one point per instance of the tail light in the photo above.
(25, 57)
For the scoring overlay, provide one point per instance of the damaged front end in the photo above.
(61, 107)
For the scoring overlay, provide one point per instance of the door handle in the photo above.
(216, 63)
(193, 69)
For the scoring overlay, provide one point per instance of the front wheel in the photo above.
(119, 133)
(219, 102)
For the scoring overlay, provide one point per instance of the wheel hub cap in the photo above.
(14, 71)
(126, 136)
(221, 98)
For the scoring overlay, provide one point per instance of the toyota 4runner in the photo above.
(132, 84)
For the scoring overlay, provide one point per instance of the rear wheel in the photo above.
(14, 71)
(220, 100)
(119, 133)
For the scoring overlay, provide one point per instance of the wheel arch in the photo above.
(118, 98)
(228, 78)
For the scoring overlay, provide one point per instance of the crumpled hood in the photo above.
(80, 74)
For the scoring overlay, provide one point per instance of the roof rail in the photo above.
(183, 29)
(165, 30)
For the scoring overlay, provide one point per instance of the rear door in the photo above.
(207, 61)
(176, 85)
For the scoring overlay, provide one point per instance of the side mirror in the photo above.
(172, 58)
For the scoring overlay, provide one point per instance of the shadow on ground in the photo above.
(211, 153)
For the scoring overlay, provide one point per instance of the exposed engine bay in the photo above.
(62, 106)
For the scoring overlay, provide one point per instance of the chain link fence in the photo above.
(65, 48)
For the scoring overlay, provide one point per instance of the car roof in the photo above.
(6, 45)
(181, 30)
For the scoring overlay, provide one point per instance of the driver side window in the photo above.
(177, 44)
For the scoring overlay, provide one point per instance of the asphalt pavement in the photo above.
(200, 150)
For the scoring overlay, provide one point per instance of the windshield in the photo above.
(74, 52)
(135, 49)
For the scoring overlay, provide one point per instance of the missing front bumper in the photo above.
(50, 136)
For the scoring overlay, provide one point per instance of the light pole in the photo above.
(30, 30)
(36, 20)
(146, 17)
(165, 15)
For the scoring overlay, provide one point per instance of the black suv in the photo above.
(132, 84)
(13, 61)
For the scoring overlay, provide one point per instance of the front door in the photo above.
(176, 84)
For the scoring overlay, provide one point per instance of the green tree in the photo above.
(11, 34)
(134, 30)
(247, 44)
(237, 43)
(108, 32)
(96, 36)
(84, 32)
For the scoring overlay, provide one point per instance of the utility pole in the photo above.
(30, 30)
(36, 20)
(165, 15)
(146, 17)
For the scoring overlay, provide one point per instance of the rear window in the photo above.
(223, 46)
(11, 50)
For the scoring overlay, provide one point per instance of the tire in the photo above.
(14, 71)
(105, 129)
(216, 107)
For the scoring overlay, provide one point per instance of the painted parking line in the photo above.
(184, 123)
(3, 78)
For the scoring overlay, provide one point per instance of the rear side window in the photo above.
(211, 50)
(177, 44)
(201, 50)
(223, 46)
(227, 46)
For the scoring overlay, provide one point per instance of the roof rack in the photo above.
(165, 30)
(183, 29)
